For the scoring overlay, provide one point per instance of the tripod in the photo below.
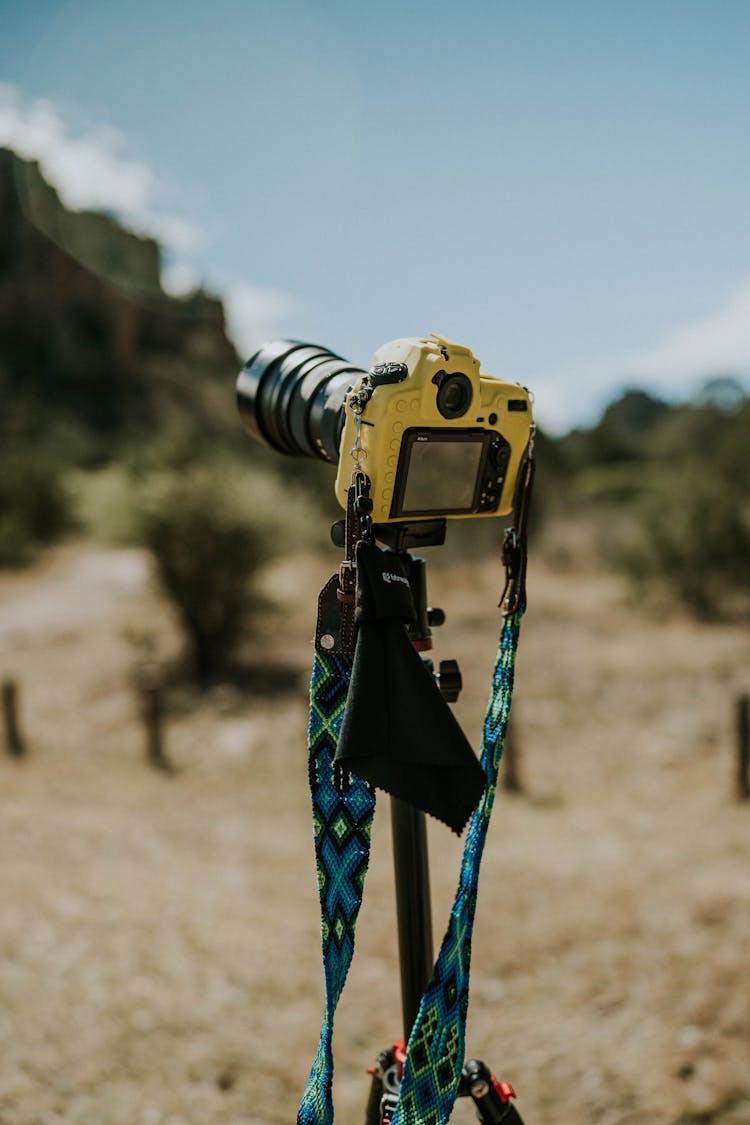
(492, 1098)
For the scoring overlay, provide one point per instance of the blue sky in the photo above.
(564, 187)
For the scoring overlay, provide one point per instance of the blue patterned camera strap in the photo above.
(435, 1051)
(342, 822)
(342, 825)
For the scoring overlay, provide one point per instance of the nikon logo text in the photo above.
(388, 577)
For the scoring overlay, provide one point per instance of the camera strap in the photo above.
(343, 809)
(342, 822)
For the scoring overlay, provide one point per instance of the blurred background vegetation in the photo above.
(119, 424)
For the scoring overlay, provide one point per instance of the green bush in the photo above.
(211, 530)
(108, 505)
(35, 507)
(693, 539)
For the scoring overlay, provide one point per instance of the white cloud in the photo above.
(178, 279)
(718, 343)
(90, 170)
(255, 315)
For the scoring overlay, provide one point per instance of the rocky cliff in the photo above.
(87, 332)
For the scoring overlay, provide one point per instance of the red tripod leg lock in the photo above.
(386, 1080)
(491, 1097)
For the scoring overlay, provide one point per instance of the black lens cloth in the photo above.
(398, 733)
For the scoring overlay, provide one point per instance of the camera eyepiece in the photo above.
(290, 395)
(454, 393)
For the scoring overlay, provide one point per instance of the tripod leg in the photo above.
(372, 1113)
(491, 1097)
(386, 1079)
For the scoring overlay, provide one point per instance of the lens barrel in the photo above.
(290, 395)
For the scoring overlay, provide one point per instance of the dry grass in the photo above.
(159, 958)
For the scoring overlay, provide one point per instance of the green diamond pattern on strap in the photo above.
(342, 825)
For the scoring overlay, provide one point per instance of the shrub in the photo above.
(210, 530)
(693, 539)
(35, 508)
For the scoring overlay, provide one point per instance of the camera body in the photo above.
(434, 436)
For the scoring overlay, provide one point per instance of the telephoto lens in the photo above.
(290, 395)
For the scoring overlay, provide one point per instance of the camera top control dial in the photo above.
(387, 373)
(380, 375)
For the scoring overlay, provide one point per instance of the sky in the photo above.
(561, 185)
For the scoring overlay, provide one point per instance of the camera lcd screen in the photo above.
(438, 472)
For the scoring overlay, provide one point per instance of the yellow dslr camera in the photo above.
(435, 437)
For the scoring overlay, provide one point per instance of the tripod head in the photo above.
(398, 538)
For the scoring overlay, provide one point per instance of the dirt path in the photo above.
(159, 958)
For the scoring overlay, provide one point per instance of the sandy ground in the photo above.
(159, 956)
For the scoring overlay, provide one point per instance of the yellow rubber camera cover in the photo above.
(435, 437)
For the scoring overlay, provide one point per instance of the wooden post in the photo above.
(510, 772)
(743, 747)
(151, 687)
(14, 742)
